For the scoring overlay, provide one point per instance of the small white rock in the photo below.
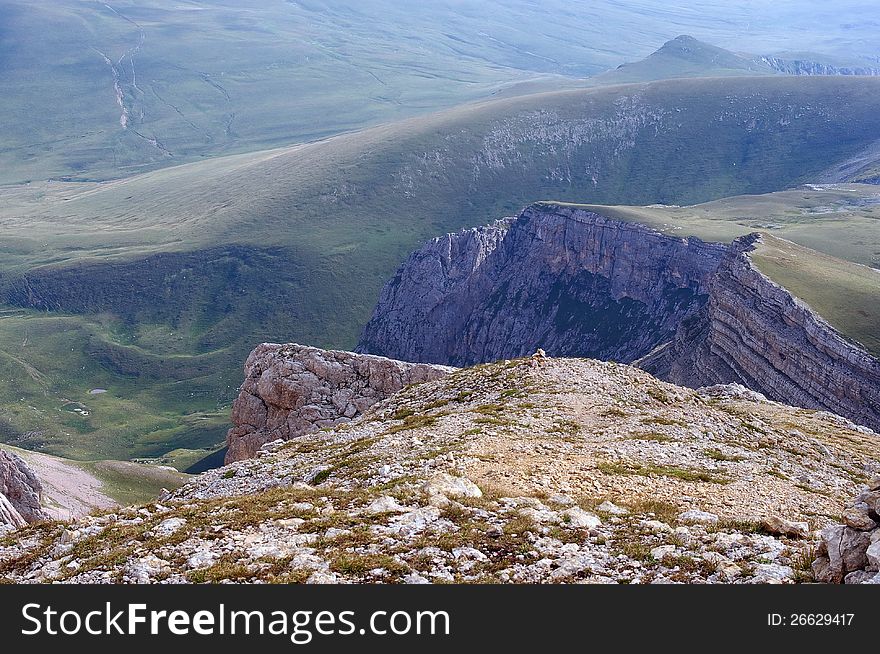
(612, 508)
(701, 517)
(385, 504)
(449, 486)
(661, 552)
(579, 519)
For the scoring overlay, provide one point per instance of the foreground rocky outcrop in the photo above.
(290, 390)
(20, 492)
(577, 283)
(850, 552)
(534, 470)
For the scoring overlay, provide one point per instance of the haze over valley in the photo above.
(240, 232)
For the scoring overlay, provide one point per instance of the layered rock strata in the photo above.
(577, 283)
(290, 390)
(754, 332)
(567, 280)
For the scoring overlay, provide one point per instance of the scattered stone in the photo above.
(873, 556)
(853, 547)
(858, 517)
(858, 577)
(661, 552)
(579, 519)
(782, 527)
(147, 569)
(202, 559)
(167, 527)
(450, 486)
(656, 527)
(415, 578)
(698, 517)
(385, 504)
(611, 508)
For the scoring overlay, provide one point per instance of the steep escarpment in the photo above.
(579, 284)
(20, 492)
(290, 390)
(754, 332)
(567, 280)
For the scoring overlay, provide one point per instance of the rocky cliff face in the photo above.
(578, 284)
(20, 492)
(290, 390)
(754, 332)
(808, 67)
(850, 552)
(567, 280)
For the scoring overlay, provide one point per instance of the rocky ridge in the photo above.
(577, 283)
(20, 492)
(809, 67)
(532, 470)
(850, 552)
(570, 281)
(754, 332)
(290, 390)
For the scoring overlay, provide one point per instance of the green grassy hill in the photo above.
(822, 242)
(155, 287)
(685, 56)
(95, 90)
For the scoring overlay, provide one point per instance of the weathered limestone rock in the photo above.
(577, 283)
(290, 390)
(9, 515)
(21, 489)
(782, 527)
(451, 486)
(754, 332)
(850, 553)
(563, 279)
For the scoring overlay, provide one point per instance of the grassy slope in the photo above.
(121, 482)
(325, 224)
(210, 77)
(842, 220)
(684, 56)
(846, 295)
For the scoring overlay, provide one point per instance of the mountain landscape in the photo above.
(653, 261)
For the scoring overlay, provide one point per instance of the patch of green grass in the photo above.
(567, 427)
(133, 483)
(718, 455)
(360, 564)
(684, 474)
(802, 564)
(660, 509)
(413, 421)
(322, 476)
